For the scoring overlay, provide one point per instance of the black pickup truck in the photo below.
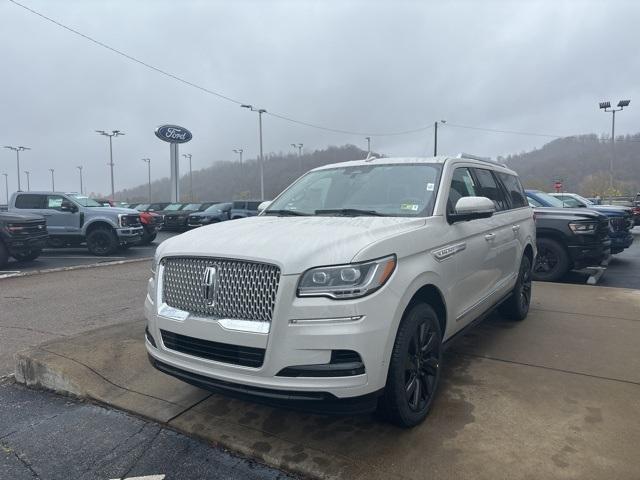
(22, 236)
(569, 239)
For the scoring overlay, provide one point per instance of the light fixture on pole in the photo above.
(368, 139)
(79, 167)
(148, 162)
(435, 136)
(53, 180)
(27, 173)
(299, 147)
(6, 186)
(261, 158)
(606, 106)
(114, 133)
(239, 152)
(17, 150)
(188, 155)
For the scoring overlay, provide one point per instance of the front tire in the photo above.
(29, 256)
(102, 242)
(414, 369)
(4, 255)
(552, 262)
(516, 307)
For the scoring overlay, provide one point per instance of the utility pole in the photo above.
(368, 139)
(53, 180)
(6, 185)
(114, 133)
(435, 136)
(261, 158)
(17, 150)
(79, 167)
(188, 155)
(606, 106)
(148, 162)
(27, 173)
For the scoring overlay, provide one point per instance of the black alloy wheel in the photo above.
(414, 368)
(516, 307)
(552, 262)
(102, 242)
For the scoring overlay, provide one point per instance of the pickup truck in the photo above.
(74, 219)
(22, 236)
(244, 208)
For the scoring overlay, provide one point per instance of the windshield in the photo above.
(192, 206)
(84, 200)
(406, 190)
(143, 207)
(174, 206)
(547, 200)
(586, 201)
(218, 207)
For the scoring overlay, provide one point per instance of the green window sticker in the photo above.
(409, 206)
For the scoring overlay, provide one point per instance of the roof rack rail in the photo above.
(479, 158)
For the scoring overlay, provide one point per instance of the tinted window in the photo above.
(489, 188)
(571, 202)
(514, 189)
(28, 200)
(533, 202)
(239, 204)
(253, 205)
(462, 185)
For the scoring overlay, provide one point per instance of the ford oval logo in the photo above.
(173, 134)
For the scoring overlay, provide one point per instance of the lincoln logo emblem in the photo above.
(210, 284)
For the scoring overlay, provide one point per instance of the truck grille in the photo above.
(620, 224)
(242, 290)
(130, 220)
(219, 352)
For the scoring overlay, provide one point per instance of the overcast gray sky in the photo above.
(363, 66)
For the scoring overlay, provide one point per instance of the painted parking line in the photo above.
(74, 267)
(75, 257)
(146, 477)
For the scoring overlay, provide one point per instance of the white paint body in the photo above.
(471, 281)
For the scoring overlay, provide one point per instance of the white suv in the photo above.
(343, 292)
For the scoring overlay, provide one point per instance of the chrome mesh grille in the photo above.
(245, 290)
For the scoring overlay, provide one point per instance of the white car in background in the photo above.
(342, 294)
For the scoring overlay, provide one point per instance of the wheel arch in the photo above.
(90, 227)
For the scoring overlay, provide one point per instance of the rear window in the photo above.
(490, 189)
(239, 204)
(29, 200)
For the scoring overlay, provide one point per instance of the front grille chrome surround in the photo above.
(244, 290)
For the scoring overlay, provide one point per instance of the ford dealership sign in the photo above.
(173, 134)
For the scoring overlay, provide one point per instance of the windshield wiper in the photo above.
(350, 212)
(286, 213)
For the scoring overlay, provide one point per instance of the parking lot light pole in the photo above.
(6, 185)
(606, 106)
(114, 133)
(239, 152)
(188, 155)
(79, 167)
(261, 158)
(368, 139)
(27, 173)
(17, 150)
(299, 147)
(148, 162)
(53, 180)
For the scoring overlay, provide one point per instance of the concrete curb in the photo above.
(74, 267)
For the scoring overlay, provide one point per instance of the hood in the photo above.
(611, 209)
(115, 210)
(206, 214)
(19, 217)
(583, 213)
(295, 244)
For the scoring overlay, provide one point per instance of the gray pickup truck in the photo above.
(73, 219)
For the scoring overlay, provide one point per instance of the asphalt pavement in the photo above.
(53, 258)
(47, 436)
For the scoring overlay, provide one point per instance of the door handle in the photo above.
(489, 237)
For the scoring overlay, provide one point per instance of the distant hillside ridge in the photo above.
(582, 164)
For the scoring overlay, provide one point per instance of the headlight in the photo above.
(583, 227)
(347, 281)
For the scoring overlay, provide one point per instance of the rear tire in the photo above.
(102, 242)
(414, 369)
(552, 262)
(516, 307)
(147, 239)
(4, 255)
(29, 256)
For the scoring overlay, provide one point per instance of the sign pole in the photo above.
(175, 172)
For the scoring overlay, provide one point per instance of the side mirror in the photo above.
(263, 206)
(470, 208)
(67, 206)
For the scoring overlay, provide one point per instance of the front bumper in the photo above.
(129, 234)
(620, 241)
(22, 245)
(589, 254)
(304, 332)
